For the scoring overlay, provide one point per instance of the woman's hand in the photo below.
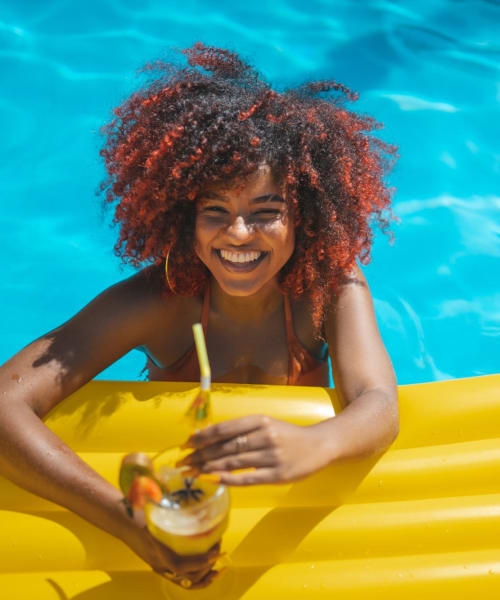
(277, 451)
(188, 571)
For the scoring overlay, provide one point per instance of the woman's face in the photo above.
(244, 236)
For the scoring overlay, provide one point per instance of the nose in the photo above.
(239, 230)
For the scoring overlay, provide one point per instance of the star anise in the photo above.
(188, 492)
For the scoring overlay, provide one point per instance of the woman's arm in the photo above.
(366, 385)
(363, 374)
(39, 377)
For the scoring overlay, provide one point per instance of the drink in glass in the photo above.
(192, 516)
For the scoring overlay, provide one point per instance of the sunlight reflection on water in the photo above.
(428, 70)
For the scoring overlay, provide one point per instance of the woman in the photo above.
(250, 208)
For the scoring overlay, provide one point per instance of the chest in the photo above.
(245, 352)
(253, 353)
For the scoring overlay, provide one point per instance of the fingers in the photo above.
(260, 476)
(256, 440)
(198, 576)
(226, 430)
(192, 571)
(190, 581)
(206, 580)
(253, 442)
(187, 565)
(245, 460)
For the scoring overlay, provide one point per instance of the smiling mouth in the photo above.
(240, 261)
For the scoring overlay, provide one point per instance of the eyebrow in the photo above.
(259, 200)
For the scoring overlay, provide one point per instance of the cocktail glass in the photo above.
(189, 520)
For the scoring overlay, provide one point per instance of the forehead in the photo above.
(260, 183)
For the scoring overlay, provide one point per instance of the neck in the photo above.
(245, 309)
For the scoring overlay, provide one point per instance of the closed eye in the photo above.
(215, 209)
(268, 212)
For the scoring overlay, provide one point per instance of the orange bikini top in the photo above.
(303, 367)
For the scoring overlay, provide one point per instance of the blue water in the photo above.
(428, 69)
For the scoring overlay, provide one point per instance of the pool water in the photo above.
(429, 70)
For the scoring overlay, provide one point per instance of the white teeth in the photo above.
(240, 257)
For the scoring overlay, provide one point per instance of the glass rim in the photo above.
(221, 488)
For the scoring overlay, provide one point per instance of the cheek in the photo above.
(203, 233)
(282, 236)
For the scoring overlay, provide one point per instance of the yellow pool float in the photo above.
(422, 521)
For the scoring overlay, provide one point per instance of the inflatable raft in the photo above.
(422, 521)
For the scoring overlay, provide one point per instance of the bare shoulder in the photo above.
(142, 295)
(354, 285)
(137, 296)
(140, 301)
(143, 287)
(359, 358)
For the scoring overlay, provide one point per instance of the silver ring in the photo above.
(241, 443)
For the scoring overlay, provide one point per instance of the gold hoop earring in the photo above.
(166, 272)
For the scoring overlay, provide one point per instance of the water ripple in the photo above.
(64, 71)
(429, 70)
(406, 102)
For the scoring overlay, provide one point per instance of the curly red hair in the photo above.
(212, 123)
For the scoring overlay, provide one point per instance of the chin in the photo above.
(240, 288)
